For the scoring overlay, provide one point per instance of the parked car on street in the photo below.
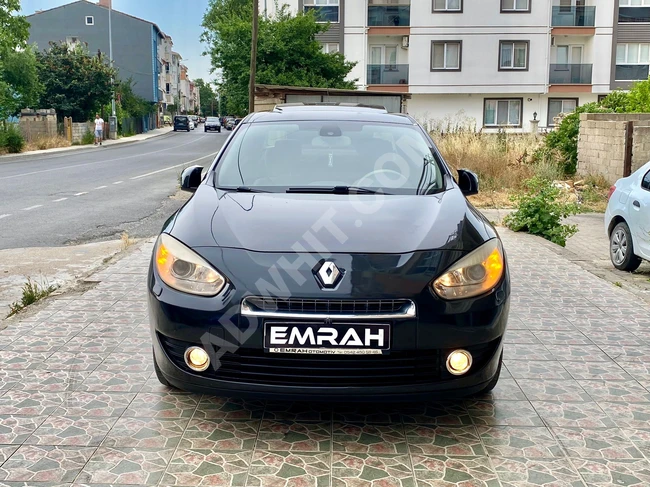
(400, 292)
(195, 119)
(182, 122)
(212, 124)
(192, 124)
(627, 220)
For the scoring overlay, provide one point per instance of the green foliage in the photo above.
(638, 98)
(32, 292)
(88, 138)
(75, 83)
(14, 29)
(540, 211)
(11, 139)
(565, 137)
(209, 101)
(288, 52)
(616, 101)
(20, 76)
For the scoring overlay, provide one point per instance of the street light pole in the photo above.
(251, 85)
(112, 121)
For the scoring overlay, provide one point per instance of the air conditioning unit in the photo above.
(405, 42)
(552, 41)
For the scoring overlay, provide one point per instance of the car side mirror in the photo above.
(467, 182)
(191, 178)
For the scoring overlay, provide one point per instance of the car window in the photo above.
(275, 156)
(645, 184)
(212, 119)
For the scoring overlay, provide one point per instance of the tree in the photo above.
(14, 32)
(132, 104)
(288, 52)
(21, 83)
(209, 103)
(75, 83)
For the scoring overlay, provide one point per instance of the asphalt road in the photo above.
(93, 195)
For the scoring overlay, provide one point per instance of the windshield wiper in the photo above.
(335, 190)
(242, 189)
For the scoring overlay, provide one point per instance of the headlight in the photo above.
(474, 274)
(184, 270)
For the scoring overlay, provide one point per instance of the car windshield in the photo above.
(212, 119)
(308, 156)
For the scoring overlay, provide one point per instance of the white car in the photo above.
(627, 220)
(192, 126)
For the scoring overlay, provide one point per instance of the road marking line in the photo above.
(118, 182)
(82, 193)
(60, 199)
(174, 167)
(101, 187)
(98, 162)
(32, 207)
(5, 215)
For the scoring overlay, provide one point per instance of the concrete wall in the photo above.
(38, 123)
(79, 129)
(602, 143)
(133, 45)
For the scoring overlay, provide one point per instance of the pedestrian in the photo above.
(99, 129)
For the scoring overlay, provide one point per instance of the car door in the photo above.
(640, 216)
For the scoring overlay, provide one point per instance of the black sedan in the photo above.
(212, 124)
(329, 253)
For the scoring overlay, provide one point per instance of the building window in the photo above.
(454, 6)
(167, 90)
(560, 105)
(601, 98)
(90, 20)
(632, 62)
(446, 55)
(72, 41)
(330, 47)
(325, 10)
(502, 112)
(515, 6)
(513, 55)
(167, 68)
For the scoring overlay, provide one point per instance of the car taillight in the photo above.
(611, 192)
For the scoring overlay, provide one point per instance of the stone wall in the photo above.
(641, 147)
(602, 143)
(79, 129)
(37, 123)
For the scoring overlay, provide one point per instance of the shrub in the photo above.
(540, 211)
(13, 140)
(565, 137)
(88, 138)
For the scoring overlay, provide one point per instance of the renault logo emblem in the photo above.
(329, 274)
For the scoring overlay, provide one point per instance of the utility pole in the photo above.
(251, 86)
(112, 121)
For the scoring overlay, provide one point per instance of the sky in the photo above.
(180, 19)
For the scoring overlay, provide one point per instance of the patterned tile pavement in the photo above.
(80, 407)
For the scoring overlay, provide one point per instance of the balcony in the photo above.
(389, 15)
(631, 72)
(573, 16)
(324, 14)
(388, 74)
(633, 14)
(570, 74)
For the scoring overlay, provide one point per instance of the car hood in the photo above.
(273, 222)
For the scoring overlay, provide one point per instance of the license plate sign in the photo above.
(327, 339)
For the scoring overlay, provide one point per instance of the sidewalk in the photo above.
(107, 143)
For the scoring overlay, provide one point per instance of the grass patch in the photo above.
(88, 138)
(126, 240)
(45, 142)
(32, 292)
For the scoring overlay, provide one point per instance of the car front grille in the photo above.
(328, 306)
(399, 368)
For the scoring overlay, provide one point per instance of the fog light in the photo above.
(197, 359)
(459, 362)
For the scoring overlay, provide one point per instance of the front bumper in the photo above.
(414, 369)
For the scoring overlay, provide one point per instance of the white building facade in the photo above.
(489, 63)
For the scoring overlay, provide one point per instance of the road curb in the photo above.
(8, 158)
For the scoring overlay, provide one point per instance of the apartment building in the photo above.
(490, 63)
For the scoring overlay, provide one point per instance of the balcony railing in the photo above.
(388, 74)
(631, 72)
(389, 15)
(573, 16)
(570, 74)
(633, 14)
